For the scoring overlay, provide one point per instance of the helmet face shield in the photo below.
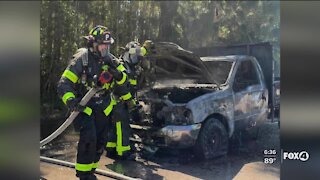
(101, 40)
(134, 59)
(133, 54)
(101, 35)
(132, 51)
(103, 49)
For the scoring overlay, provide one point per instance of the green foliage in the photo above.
(191, 24)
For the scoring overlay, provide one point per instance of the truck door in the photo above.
(249, 85)
(241, 94)
(258, 93)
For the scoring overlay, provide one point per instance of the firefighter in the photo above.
(131, 59)
(128, 64)
(144, 69)
(118, 143)
(89, 67)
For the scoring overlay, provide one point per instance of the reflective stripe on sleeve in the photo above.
(67, 96)
(121, 68)
(124, 77)
(70, 75)
(88, 111)
(133, 81)
(126, 96)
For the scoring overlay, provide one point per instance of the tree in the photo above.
(191, 24)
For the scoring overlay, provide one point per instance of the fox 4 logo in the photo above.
(302, 156)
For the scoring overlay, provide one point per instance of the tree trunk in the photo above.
(168, 10)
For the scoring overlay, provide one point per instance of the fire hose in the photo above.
(57, 132)
(70, 119)
(97, 171)
(66, 124)
(73, 115)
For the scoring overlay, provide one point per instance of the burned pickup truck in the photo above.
(199, 102)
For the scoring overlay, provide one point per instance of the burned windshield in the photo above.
(219, 70)
(175, 68)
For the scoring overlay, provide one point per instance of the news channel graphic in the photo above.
(270, 156)
(300, 156)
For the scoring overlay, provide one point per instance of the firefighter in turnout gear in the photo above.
(90, 67)
(131, 60)
(118, 142)
(148, 64)
(135, 61)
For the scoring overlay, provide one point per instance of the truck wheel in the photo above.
(212, 140)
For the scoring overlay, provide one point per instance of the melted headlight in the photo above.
(180, 116)
(176, 115)
(189, 117)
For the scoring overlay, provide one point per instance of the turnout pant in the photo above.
(93, 130)
(119, 131)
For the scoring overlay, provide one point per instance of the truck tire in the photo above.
(212, 140)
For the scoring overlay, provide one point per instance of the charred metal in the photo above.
(183, 91)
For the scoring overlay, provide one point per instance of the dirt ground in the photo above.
(246, 163)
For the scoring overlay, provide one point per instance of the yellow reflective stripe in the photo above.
(95, 33)
(121, 68)
(88, 111)
(120, 149)
(126, 96)
(133, 81)
(83, 167)
(91, 31)
(106, 86)
(108, 110)
(95, 165)
(143, 51)
(112, 84)
(124, 77)
(125, 148)
(70, 75)
(119, 137)
(111, 144)
(105, 67)
(67, 96)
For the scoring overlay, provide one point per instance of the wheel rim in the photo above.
(213, 141)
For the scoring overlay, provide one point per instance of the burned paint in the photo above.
(177, 103)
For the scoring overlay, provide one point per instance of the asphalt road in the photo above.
(246, 163)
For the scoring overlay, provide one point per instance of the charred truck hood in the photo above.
(169, 104)
(180, 77)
